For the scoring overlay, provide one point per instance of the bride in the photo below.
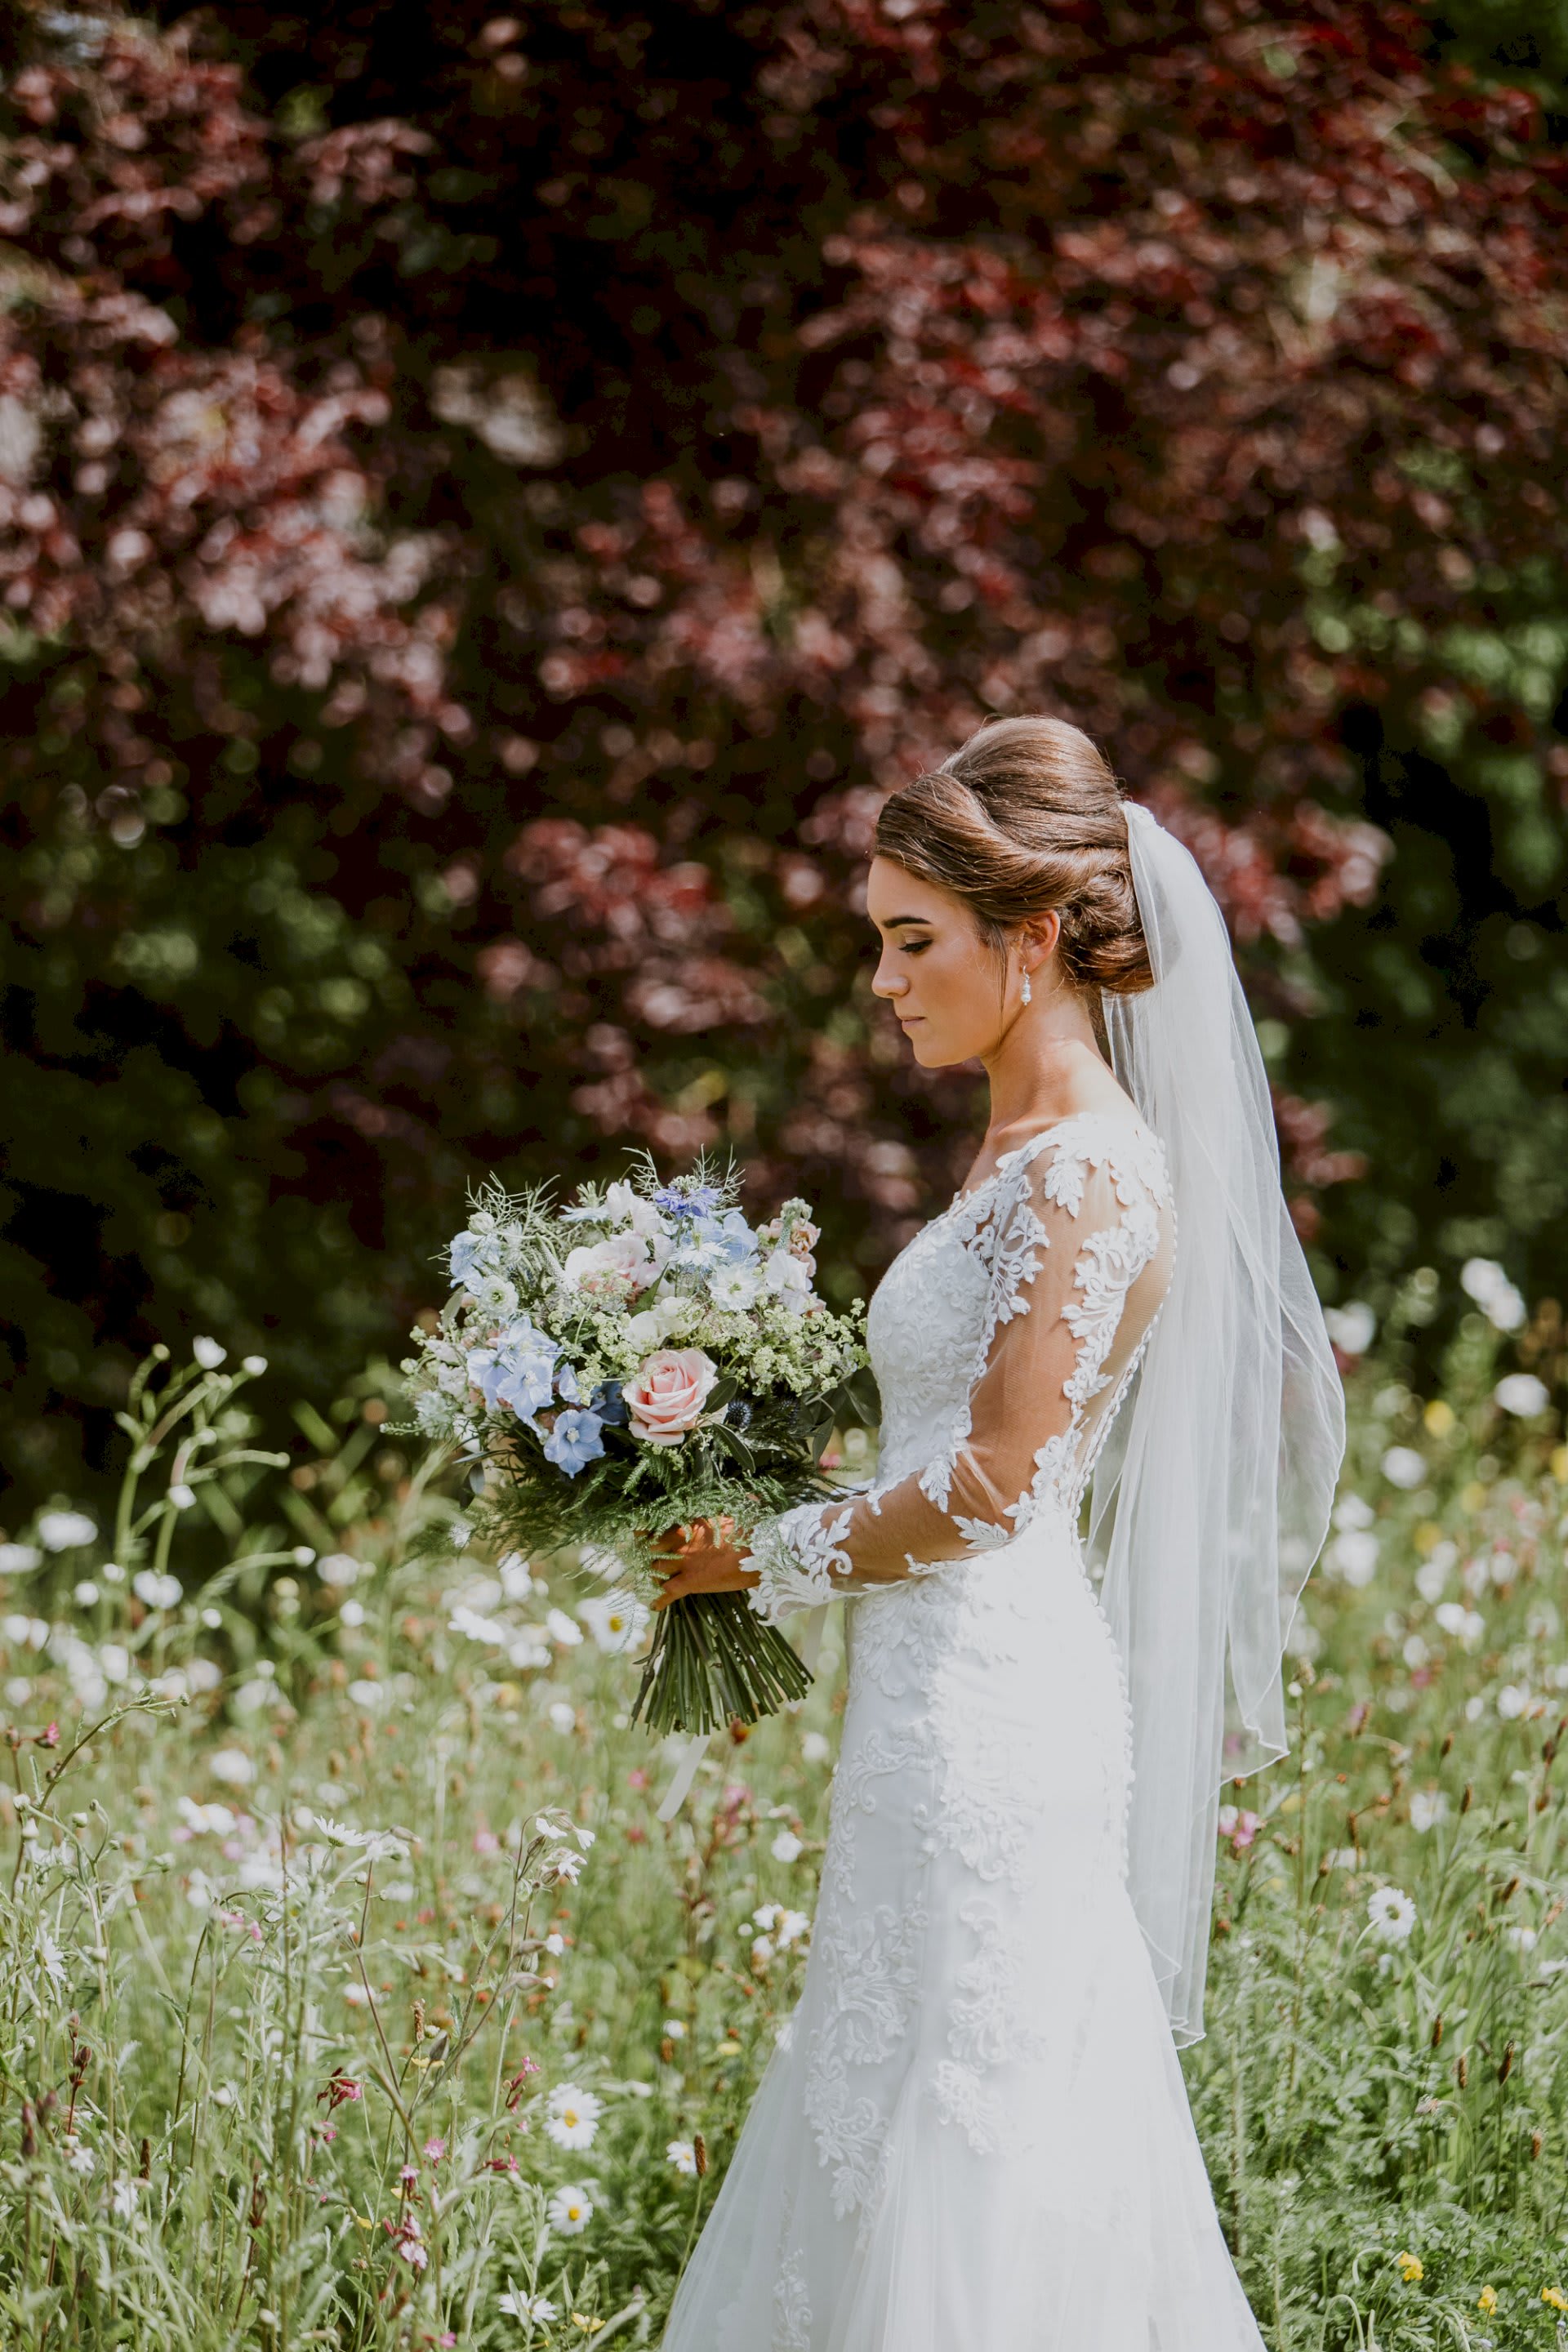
(1111, 1430)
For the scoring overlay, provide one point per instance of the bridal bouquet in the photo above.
(639, 1360)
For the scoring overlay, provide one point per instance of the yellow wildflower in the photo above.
(589, 2327)
(1411, 2269)
(1555, 2297)
(1486, 2301)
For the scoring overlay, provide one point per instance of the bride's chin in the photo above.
(927, 1051)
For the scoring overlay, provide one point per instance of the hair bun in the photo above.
(1026, 819)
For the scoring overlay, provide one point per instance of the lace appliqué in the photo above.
(876, 1986)
(798, 1555)
(1107, 1265)
(792, 2306)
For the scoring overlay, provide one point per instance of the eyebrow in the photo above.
(894, 922)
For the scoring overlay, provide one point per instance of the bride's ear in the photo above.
(1040, 937)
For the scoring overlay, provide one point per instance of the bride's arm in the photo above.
(1064, 1244)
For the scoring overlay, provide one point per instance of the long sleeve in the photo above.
(1066, 1253)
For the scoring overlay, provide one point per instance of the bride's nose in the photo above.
(890, 984)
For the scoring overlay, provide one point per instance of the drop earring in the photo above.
(1028, 992)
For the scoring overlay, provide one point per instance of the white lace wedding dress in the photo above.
(973, 2134)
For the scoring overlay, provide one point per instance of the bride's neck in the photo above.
(1047, 1064)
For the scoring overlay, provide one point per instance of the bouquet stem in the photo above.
(714, 1661)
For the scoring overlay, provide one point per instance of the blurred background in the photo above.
(490, 504)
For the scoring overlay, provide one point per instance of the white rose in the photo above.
(652, 1326)
(616, 1268)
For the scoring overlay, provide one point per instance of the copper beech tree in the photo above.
(490, 504)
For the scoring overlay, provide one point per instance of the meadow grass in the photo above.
(354, 1994)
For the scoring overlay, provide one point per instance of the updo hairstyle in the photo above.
(1022, 819)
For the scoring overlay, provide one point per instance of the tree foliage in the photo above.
(490, 504)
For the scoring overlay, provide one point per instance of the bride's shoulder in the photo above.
(1108, 1136)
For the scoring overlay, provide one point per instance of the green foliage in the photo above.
(490, 505)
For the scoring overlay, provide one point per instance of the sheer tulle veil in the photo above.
(1211, 1499)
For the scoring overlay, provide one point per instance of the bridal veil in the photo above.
(1211, 1498)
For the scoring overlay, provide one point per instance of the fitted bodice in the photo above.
(923, 1327)
(1097, 1269)
(1002, 1338)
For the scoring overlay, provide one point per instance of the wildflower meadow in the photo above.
(354, 1993)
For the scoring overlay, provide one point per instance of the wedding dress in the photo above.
(973, 2135)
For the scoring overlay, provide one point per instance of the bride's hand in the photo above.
(702, 1557)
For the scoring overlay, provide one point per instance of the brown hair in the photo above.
(1023, 818)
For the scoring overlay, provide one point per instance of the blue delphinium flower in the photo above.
(576, 1440)
(517, 1369)
(477, 1250)
(528, 1377)
(566, 1382)
(740, 1241)
(464, 1254)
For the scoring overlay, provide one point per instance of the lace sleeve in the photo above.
(1076, 1239)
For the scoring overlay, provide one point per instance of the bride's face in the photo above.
(952, 994)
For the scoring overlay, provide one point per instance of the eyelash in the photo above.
(916, 947)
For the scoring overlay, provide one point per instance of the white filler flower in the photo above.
(1483, 1279)
(65, 1530)
(1522, 1395)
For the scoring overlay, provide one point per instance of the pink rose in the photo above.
(665, 1395)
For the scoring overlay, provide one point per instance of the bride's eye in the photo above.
(916, 947)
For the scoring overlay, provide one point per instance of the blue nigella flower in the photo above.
(576, 1440)
(697, 1203)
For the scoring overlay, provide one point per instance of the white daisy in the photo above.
(570, 2210)
(615, 1620)
(1391, 1914)
(572, 2116)
(682, 2155)
(537, 2309)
